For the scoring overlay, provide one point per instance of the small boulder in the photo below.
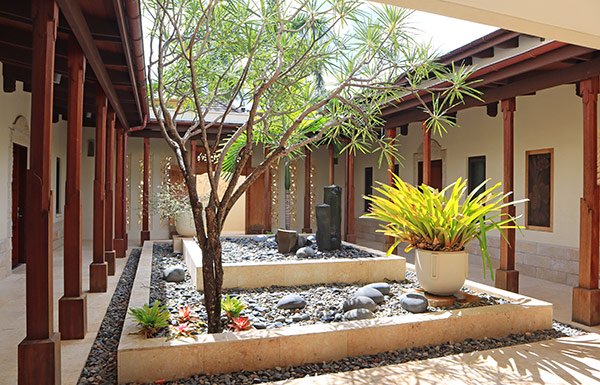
(312, 239)
(301, 241)
(414, 302)
(305, 252)
(174, 274)
(374, 294)
(359, 303)
(260, 238)
(287, 241)
(291, 301)
(358, 314)
(383, 287)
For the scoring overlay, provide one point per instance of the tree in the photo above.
(271, 57)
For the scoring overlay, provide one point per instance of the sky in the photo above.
(445, 33)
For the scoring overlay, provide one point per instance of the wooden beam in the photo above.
(99, 267)
(350, 194)
(307, 190)
(72, 13)
(426, 154)
(39, 352)
(120, 195)
(507, 277)
(145, 233)
(586, 296)
(72, 307)
(109, 245)
(331, 175)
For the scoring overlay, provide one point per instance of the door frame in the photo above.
(20, 159)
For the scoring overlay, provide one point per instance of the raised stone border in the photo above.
(250, 275)
(148, 360)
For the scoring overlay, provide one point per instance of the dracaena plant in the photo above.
(151, 319)
(445, 220)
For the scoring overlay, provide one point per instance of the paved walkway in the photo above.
(567, 360)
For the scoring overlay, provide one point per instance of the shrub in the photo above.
(151, 319)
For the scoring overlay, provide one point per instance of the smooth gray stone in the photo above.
(414, 302)
(323, 227)
(383, 287)
(359, 303)
(174, 274)
(374, 294)
(301, 241)
(287, 240)
(261, 238)
(291, 301)
(333, 197)
(311, 240)
(305, 252)
(358, 314)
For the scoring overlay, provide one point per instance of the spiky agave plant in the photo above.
(445, 220)
(151, 319)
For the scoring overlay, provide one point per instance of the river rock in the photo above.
(359, 303)
(260, 238)
(174, 274)
(414, 302)
(291, 301)
(358, 314)
(305, 252)
(287, 240)
(301, 241)
(383, 287)
(374, 294)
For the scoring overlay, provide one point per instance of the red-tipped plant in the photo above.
(239, 324)
(185, 314)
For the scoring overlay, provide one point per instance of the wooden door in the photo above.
(258, 205)
(18, 202)
(436, 174)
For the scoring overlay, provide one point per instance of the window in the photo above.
(57, 207)
(368, 186)
(476, 172)
(539, 189)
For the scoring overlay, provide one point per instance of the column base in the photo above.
(120, 248)
(39, 361)
(144, 236)
(307, 230)
(351, 238)
(109, 257)
(507, 280)
(586, 306)
(98, 277)
(72, 317)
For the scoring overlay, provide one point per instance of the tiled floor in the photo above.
(12, 318)
(569, 360)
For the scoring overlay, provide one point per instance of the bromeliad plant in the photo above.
(151, 319)
(232, 307)
(445, 220)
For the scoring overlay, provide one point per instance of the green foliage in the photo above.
(151, 319)
(232, 306)
(446, 220)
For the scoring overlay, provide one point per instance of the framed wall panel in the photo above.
(539, 189)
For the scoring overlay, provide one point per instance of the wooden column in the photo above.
(120, 197)
(426, 154)
(193, 156)
(307, 186)
(99, 267)
(586, 296)
(507, 277)
(390, 134)
(72, 307)
(145, 234)
(109, 246)
(331, 179)
(350, 220)
(125, 176)
(39, 352)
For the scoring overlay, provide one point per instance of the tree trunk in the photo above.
(212, 272)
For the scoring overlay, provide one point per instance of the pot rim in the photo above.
(463, 251)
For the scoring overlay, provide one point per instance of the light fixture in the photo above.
(57, 78)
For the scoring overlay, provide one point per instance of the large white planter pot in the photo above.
(184, 224)
(441, 273)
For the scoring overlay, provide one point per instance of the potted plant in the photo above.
(172, 202)
(438, 224)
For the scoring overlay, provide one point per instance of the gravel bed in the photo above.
(378, 360)
(324, 302)
(262, 248)
(101, 365)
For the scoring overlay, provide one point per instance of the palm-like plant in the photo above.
(445, 220)
(151, 319)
